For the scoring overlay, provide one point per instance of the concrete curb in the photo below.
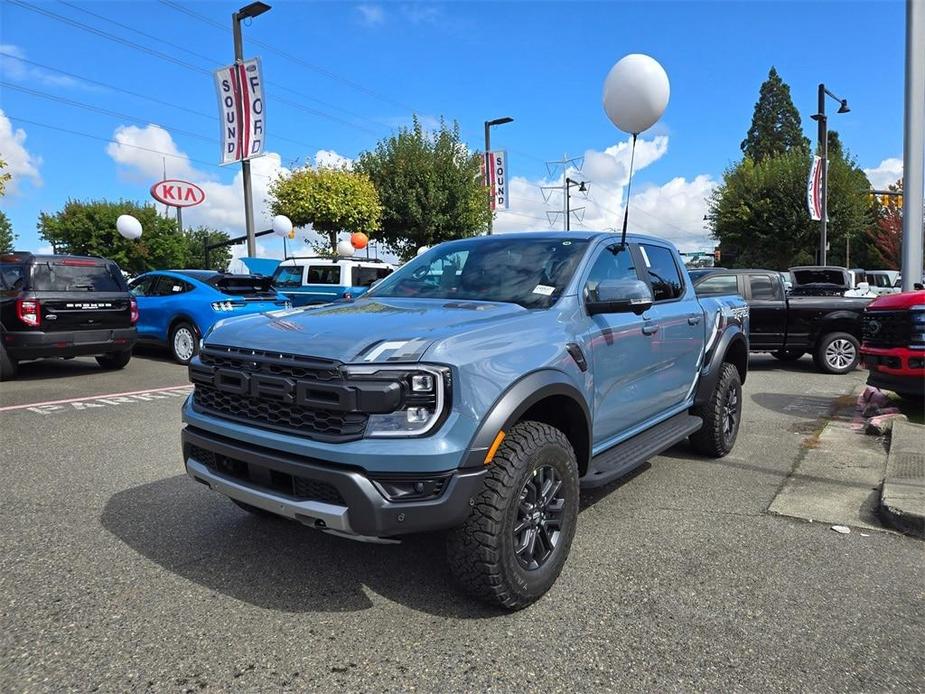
(902, 499)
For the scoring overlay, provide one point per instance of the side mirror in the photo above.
(619, 296)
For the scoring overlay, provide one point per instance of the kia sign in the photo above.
(494, 170)
(241, 110)
(177, 193)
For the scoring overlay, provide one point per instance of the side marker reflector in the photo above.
(496, 444)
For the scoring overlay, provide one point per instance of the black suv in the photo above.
(64, 306)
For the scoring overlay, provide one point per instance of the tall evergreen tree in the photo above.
(7, 237)
(776, 127)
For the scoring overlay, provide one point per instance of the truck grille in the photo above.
(295, 486)
(222, 376)
(887, 328)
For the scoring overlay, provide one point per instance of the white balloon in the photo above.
(128, 226)
(282, 225)
(636, 93)
(345, 249)
(422, 250)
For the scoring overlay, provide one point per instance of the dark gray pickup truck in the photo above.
(828, 327)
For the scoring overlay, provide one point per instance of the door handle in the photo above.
(649, 328)
(693, 319)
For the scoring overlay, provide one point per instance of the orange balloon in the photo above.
(359, 240)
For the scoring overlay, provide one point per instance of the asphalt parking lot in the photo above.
(118, 573)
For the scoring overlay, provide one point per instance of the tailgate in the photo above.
(84, 311)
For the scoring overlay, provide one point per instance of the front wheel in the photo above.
(837, 353)
(513, 546)
(183, 343)
(115, 360)
(721, 415)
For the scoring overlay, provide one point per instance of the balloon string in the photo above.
(629, 187)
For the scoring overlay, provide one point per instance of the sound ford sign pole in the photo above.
(176, 193)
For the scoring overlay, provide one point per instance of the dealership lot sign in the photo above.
(178, 193)
(494, 170)
(241, 110)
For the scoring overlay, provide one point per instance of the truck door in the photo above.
(768, 311)
(620, 352)
(678, 339)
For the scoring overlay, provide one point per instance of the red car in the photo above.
(894, 343)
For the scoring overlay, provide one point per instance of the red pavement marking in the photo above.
(9, 408)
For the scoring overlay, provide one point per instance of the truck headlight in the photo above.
(425, 399)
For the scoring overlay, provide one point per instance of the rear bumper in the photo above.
(37, 344)
(339, 499)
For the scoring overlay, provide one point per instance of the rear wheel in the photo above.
(184, 345)
(837, 353)
(114, 360)
(721, 415)
(515, 542)
(9, 367)
(788, 354)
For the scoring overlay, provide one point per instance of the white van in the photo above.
(318, 280)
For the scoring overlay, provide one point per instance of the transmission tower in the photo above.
(553, 167)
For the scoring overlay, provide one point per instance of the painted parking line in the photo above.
(106, 400)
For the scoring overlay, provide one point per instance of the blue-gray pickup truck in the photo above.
(475, 390)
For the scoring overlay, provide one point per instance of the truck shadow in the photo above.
(282, 565)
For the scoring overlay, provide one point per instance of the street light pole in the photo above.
(582, 187)
(488, 126)
(823, 137)
(248, 11)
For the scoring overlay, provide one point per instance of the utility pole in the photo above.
(913, 145)
(552, 166)
(823, 137)
(489, 124)
(246, 12)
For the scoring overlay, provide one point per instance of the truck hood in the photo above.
(362, 330)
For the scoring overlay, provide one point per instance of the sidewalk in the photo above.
(902, 501)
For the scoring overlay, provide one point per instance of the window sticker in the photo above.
(645, 256)
(544, 289)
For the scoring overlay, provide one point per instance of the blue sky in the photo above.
(359, 70)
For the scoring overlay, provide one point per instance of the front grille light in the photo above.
(425, 399)
(917, 318)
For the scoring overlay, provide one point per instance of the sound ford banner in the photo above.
(241, 109)
(814, 190)
(494, 169)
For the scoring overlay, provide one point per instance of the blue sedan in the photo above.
(177, 307)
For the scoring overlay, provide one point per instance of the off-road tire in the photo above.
(837, 353)
(253, 510)
(172, 343)
(788, 354)
(115, 360)
(9, 367)
(481, 552)
(717, 436)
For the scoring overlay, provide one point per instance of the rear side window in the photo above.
(323, 274)
(663, 272)
(718, 285)
(365, 276)
(764, 288)
(288, 276)
(77, 276)
(169, 286)
(12, 277)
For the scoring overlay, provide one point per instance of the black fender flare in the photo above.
(823, 325)
(709, 373)
(515, 401)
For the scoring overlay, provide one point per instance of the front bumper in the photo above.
(898, 369)
(37, 344)
(335, 498)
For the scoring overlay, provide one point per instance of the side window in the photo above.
(614, 263)
(763, 288)
(288, 276)
(663, 272)
(12, 277)
(365, 276)
(167, 286)
(323, 274)
(717, 285)
(143, 285)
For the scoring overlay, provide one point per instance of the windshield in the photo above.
(530, 272)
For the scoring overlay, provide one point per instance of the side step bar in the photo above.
(624, 457)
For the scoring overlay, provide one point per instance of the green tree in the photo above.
(332, 200)
(430, 185)
(196, 239)
(759, 214)
(89, 228)
(7, 237)
(4, 178)
(776, 127)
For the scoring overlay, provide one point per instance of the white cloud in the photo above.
(13, 67)
(673, 210)
(329, 159)
(371, 15)
(886, 174)
(145, 152)
(21, 164)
